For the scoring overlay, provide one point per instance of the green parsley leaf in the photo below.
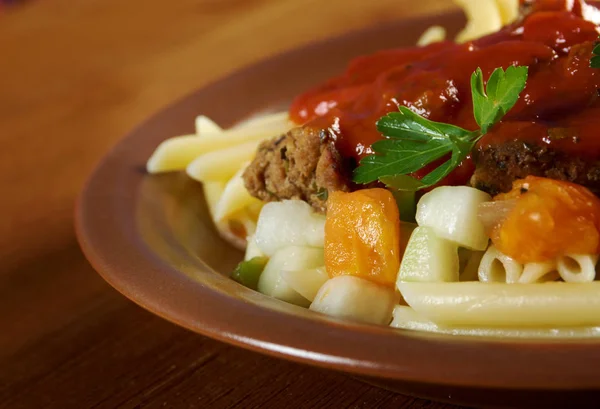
(500, 95)
(413, 142)
(408, 125)
(595, 60)
(401, 157)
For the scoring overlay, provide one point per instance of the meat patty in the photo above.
(302, 164)
(498, 166)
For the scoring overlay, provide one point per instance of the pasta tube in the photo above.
(497, 267)
(577, 268)
(234, 198)
(551, 304)
(212, 194)
(177, 153)
(509, 10)
(433, 34)
(221, 165)
(470, 270)
(539, 272)
(206, 126)
(407, 318)
(483, 17)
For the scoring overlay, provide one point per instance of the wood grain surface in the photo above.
(75, 76)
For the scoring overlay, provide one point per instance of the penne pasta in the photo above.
(177, 153)
(433, 34)
(470, 270)
(539, 272)
(509, 10)
(555, 304)
(278, 120)
(237, 228)
(221, 165)
(234, 198)
(407, 318)
(499, 268)
(577, 268)
(206, 126)
(483, 17)
(212, 194)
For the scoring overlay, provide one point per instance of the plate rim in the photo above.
(286, 345)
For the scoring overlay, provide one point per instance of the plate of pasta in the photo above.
(422, 211)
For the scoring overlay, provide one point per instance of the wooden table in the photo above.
(75, 76)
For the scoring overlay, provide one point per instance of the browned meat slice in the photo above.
(302, 164)
(498, 166)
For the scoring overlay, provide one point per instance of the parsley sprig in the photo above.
(595, 60)
(412, 142)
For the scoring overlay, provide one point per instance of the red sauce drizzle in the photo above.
(559, 105)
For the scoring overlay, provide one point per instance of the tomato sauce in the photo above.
(559, 105)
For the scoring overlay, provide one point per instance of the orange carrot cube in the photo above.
(362, 235)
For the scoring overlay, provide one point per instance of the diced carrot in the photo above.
(550, 218)
(362, 235)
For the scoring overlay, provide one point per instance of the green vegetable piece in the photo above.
(248, 272)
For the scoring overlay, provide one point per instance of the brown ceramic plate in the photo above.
(152, 239)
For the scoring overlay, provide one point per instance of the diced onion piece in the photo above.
(222, 164)
(429, 258)
(407, 318)
(356, 299)
(499, 268)
(235, 197)
(206, 126)
(433, 34)
(289, 223)
(577, 268)
(506, 305)
(252, 249)
(290, 258)
(306, 282)
(451, 211)
(490, 214)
